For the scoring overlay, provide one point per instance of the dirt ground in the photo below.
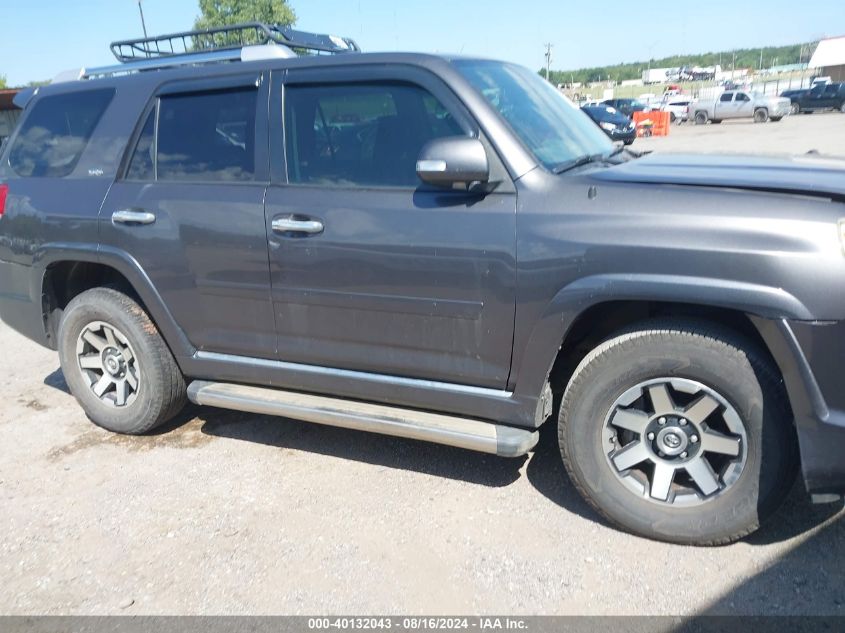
(822, 132)
(225, 513)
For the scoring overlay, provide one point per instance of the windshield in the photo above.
(548, 124)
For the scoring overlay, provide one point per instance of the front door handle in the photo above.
(132, 216)
(295, 225)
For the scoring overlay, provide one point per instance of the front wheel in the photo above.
(679, 431)
(700, 118)
(116, 364)
(794, 108)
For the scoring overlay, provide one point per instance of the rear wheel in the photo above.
(679, 431)
(700, 118)
(761, 115)
(116, 364)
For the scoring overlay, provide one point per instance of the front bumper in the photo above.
(781, 110)
(809, 356)
(624, 135)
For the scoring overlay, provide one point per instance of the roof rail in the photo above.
(229, 38)
(245, 54)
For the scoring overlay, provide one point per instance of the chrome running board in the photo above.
(475, 435)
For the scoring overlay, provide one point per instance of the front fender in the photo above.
(571, 301)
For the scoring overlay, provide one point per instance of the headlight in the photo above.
(605, 125)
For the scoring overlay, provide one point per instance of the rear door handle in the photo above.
(295, 225)
(132, 216)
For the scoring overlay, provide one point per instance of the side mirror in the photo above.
(447, 161)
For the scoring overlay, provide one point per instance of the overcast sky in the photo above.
(42, 37)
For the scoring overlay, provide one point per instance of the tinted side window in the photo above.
(726, 97)
(56, 132)
(361, 134)
(207, 136)
(741, 96)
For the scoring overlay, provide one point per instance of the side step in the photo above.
(474, 435)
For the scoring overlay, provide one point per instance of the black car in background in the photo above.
(626, 106)
(615, 124)
(820, 97)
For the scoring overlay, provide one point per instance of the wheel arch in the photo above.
(65, 271)
(588, 310)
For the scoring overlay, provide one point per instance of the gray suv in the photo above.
(436, 248)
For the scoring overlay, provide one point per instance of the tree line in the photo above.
(740, 58)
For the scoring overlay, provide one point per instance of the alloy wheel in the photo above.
(675, 441)
(108, 363)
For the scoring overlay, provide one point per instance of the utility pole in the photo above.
(548, 59)
(143, 23)
(761, 59)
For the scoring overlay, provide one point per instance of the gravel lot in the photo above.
(226, 513)
(823, 132)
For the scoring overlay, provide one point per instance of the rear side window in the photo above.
(206, 136)
(726, 97)
(361, 134)
(56, 132)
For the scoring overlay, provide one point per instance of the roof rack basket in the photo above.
(229, 38)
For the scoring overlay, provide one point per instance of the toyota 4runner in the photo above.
(432, 247)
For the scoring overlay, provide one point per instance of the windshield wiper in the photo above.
(577, 162)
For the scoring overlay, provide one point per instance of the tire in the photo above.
(761, 115)
(775, 119)
(794, 108)
(125, 359)
(672, 117)
(695, 356)
(700, 118)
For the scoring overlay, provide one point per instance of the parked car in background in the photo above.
(821, 97)
(738, 104)
(678, 108)
(793, 96)
(627, 106)
(615, 124)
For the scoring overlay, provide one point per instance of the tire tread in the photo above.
(701, 332)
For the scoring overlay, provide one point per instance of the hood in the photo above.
(806, 175)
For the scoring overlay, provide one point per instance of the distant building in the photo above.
(829, 58)
(8, 114)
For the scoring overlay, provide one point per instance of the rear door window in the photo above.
(208, 136)
(726, 97)
(56, 132)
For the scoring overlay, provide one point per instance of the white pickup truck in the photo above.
(737, 104)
